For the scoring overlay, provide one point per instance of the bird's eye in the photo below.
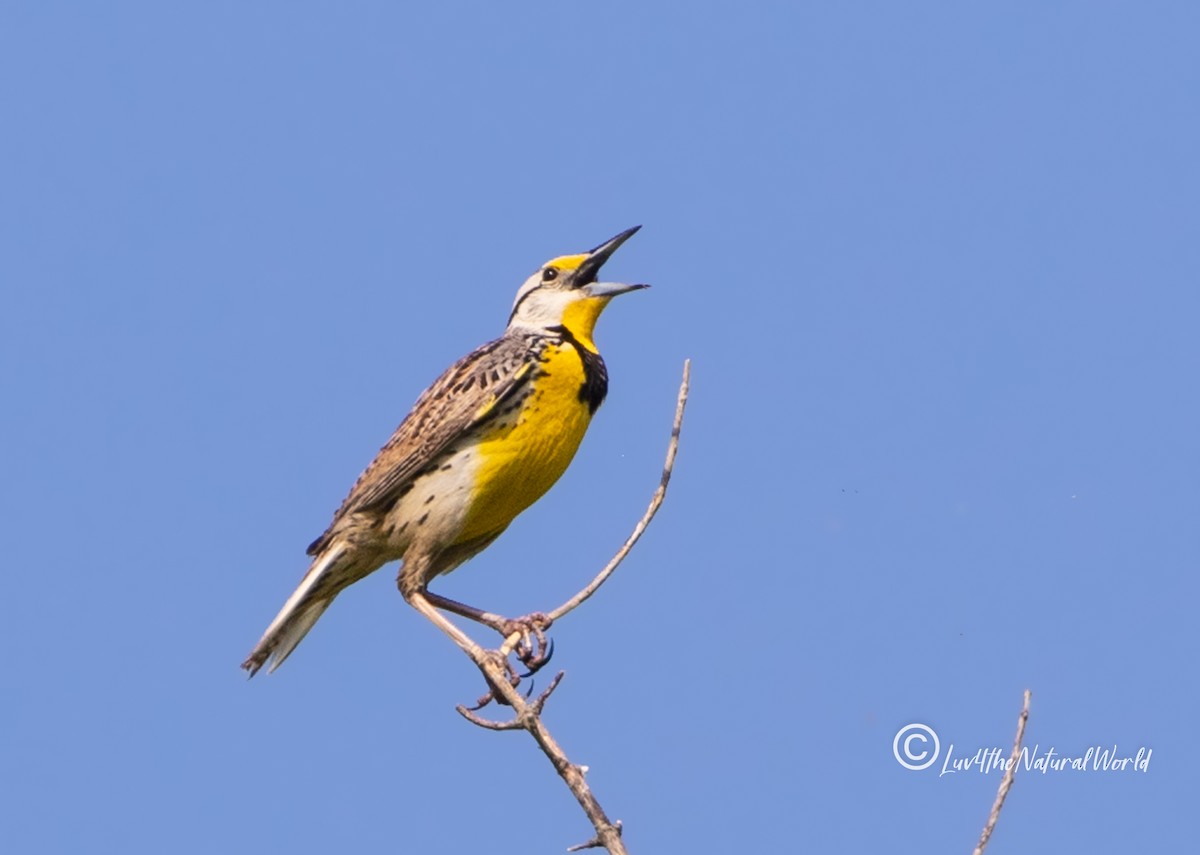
(549, 274)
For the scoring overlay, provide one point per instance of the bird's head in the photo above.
(564, 292)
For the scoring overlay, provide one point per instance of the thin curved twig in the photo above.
(1007, 781)
(655, 503)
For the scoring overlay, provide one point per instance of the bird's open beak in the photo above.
(586, 274)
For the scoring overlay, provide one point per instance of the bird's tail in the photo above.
(324, 580)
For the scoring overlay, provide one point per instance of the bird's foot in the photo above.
(533, 649)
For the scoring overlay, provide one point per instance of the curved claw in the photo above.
(536, 663)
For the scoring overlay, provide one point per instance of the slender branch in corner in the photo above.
(526, 713)
(1007, 781)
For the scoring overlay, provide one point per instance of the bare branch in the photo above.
(1007, 781)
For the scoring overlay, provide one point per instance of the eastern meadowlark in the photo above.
(483, 443)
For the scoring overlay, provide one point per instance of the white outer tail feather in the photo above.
(293, 633)
(293, 622)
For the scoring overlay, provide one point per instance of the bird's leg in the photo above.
(418, 599)
(533, 650)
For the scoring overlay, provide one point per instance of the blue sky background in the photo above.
(936, 265)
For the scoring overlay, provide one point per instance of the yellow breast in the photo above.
(523, 453)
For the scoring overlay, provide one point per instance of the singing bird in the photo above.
(482, 444)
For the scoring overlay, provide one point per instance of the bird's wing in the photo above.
(467, 393)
